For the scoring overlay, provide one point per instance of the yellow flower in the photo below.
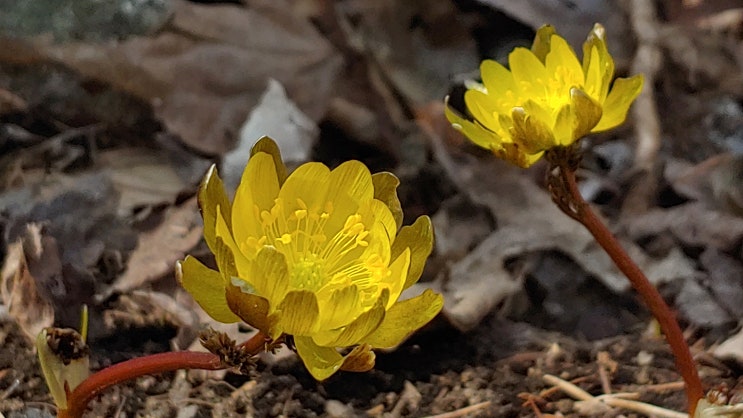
(320, 255)
(547, 99)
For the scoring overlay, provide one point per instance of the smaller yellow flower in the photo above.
(320, 255)
(547, 99)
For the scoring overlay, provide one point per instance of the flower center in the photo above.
(308, 273)
(318, 257)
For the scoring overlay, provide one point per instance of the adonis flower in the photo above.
(320, 255)
(547, 99)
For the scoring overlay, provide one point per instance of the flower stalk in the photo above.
(541, 107)
(565, 194)
(78, 399)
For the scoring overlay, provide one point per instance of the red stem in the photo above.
(78, 400)
(649, 294)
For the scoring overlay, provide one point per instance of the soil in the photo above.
(495, 371)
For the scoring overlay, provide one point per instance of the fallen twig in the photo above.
(462, 412)
(613, 400)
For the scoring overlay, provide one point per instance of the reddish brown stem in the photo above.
(78, 400)
(648, 293)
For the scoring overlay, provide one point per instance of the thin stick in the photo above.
(611, 400)
(464, 411)
(641, 407)
(647, 61)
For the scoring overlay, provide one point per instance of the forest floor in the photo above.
(107, 126)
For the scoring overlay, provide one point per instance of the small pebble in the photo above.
(337, 409)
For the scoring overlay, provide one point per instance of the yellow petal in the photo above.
(257, 191)
(598, 65)
(482, 108)
(513, 154)
(251, 308)
(418, 237)
(398, 273)
(321, 362)
(236, 256)
(340, 308)
(212, 199)
(360, 359)
(404, 318)
(542, 42)
(385, 190)
(296, 315)
(308, 183)
(563, 64)
(268, 145)
(535, 110)
(350, 184)
(354, 332)
(376, 212)
(587, 113)
(269, 275)
(533, 134)
(497, 80)
(621, 96)
(207, 288)
(225, 261)
(564, 124)
(528, 72)
(476, 133)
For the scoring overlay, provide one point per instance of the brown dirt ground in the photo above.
(494, 370)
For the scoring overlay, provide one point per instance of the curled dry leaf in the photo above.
(21, 292)
(732, 348)
(414, 61)
(207, 69)
(158, 250)
(715, 182)
(139, 310)
(278, 117)
(9, 103)
(141, 177)
(571, 18)
(692, 224)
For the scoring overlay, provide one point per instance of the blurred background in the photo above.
(111, 111)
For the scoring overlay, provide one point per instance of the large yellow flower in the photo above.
(320, 255)
(547, 99)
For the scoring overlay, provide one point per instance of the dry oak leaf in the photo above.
(208, 68)
(21, 294)
(158, 250)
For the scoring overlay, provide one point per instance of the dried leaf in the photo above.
(25, 300)
(9, 103)
(416, 61)
(700, 307)
(206, 71)
(278, 117)
(142, 178)
(573, 20)
(731, 348)
(725, 280)
(158, 250)
(459, 227)
(715, 182)
(692, 224)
